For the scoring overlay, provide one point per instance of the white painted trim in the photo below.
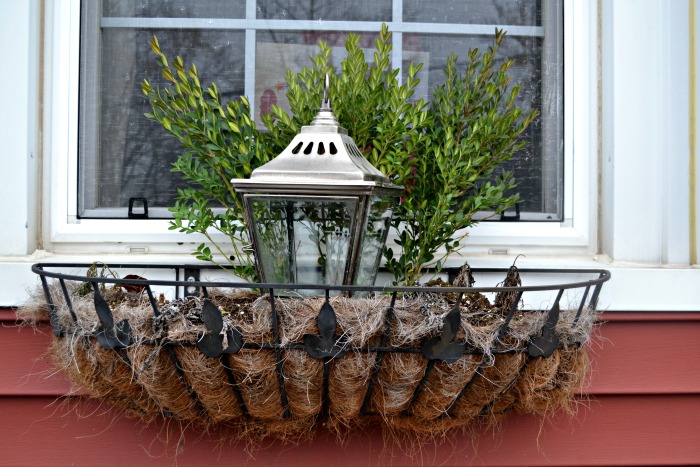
(645, 131)
(573, 236)
(695, 76)
(61, 116)
(633, 287)
(18, 128)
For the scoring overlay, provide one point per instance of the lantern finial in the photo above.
(326, 102)
(325, 120)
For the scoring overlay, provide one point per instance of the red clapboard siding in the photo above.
(613, 430)
(633, 353)
(25, 366)
(647, 353)
(644, 410)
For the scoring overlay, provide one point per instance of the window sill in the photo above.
(668, 288)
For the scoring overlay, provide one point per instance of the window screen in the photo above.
(245, 46)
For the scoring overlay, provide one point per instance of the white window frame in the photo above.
(66, 233)
(645, 121)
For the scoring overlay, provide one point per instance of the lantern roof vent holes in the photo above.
(320, 149)
(306, 164)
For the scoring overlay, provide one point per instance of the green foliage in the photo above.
(472, 127)
(444, 153)
(366, 98)
(100, 270)
(220, 142)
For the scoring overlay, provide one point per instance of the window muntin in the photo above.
(122, 155)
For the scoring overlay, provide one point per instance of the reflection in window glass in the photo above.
(122, 155)
(174, 8)
(278, 50)
(134, 155)
(497, 12)
(357, 10)
(537, 193)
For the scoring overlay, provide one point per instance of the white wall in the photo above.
(18, 127)
(645, 131)
(644, 127)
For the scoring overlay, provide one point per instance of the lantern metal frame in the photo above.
(322, 161)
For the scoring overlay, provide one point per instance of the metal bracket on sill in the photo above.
(138, 215)
(511, 218)
(192, 275)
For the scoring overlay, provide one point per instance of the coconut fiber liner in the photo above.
(371, 365)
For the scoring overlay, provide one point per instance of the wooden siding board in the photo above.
(646, 357)
(25, 366)
(629, 356)
(612, 430)
(644, 410)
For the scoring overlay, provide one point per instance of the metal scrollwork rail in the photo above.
(328, 344)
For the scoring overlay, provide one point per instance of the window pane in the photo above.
(509, 12)
(133, 156)
(123, 155)
(357, 10)
(537, 187)
(174, 8)
(278, 50)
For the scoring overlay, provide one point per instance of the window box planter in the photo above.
(255, 357)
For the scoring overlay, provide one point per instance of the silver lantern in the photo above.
(318, 213)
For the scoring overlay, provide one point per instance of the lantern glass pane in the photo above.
(303, 240)
(375, 232)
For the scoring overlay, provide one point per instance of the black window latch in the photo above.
(141, 208)
(512, 218)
